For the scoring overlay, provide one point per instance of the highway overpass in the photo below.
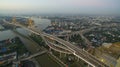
(85, 56)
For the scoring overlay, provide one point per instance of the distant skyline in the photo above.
(104, 7)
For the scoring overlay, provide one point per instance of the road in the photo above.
(81, 32)
(75, 50)
(29, 43)
(58, 48)
(88, 58)
(80, 53)
(34, 55)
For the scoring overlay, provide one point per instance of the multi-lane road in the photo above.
(88, 58)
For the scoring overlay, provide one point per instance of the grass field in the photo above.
(45, 61)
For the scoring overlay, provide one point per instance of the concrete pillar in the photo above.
(50, 49)
(60, 54)
(53, 41)
(14, 20)
(14, 27)
(67, 37)
(77, 59)
(88, 65)
(65, 55)
(70, 36)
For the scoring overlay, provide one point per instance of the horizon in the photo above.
(67, 7)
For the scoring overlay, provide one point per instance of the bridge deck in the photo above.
(75, 50)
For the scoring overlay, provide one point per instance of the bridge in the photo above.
(58, 48)
(34, 55)
(82, 54)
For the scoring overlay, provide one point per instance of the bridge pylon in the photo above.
(14, 20)
(30, 22)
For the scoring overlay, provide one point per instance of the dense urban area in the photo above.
(25, 42)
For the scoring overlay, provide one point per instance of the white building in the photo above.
(107, 45)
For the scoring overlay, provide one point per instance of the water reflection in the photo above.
(6, 34)
(40, 23)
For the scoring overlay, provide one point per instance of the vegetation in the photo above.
(70, 63)
(45, 61)
(110, 35)
(15, 45)
(76, 38)
(113, 50)
(37, 39)
(6, 64)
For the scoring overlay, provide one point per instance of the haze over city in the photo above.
(59, 33)
(107, 7)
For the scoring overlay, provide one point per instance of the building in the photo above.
(118, 63)
(107, 45)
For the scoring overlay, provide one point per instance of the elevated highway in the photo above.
(59, 48)
(88, 58)
(34, 55)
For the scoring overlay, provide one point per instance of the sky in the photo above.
(60, 7)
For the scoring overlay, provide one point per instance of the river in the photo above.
(40, 23)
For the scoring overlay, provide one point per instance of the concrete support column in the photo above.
(77, 59)
(65, 55)
(53, 41)
(50, 49)
(88, 65)
(60, 54)
(14, 27)
(67, 38)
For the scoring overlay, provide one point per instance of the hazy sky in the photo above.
(60, 6)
